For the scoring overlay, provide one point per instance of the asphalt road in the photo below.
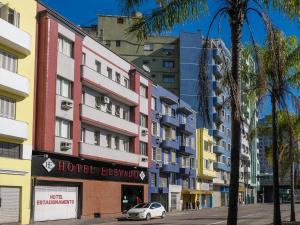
(260, 214)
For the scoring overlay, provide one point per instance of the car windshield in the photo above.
(142, 205)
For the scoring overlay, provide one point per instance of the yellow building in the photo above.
(17, 68)
(205, 171)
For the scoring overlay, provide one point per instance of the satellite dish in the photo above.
(146, 68)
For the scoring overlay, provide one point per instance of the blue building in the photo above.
(172, 174)
(220, 119)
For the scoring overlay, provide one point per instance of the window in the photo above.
(120, 20)
(8, 61)
(83, 97)
(168, 64)
(146, 62)
(173, 112)
(166, 157)
(169, 79)
(109, 108)
(192, 163)
(183, 118)
(206, 145)
(83, 58)
(156, 154)
(173, 178)
(206, 164)
(126, 145)
(65, 46)
(143, 120)
(153, 103)
(126, 82)
(63, 128)
(98, 66)
(184, 140)
(118, 43)
(97, 138)
(228, 147)
(10, 150)
(143, 148)
(173, 157)
(117, 143)
(82, 135)
(13, 17)
(118, 78)
(154, 129)
(117, 111)
(169, 46)
(143, 91)
(7, 107)
(64, 87)
(109, 73)
(163, 181)
(125, 114)
(148, 47)
(108, 140)
(153, 179)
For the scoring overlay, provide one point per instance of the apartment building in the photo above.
(158, 55)
(206, 158)
(219, 125)
(173, 170)
(17, 73)
(93, 114)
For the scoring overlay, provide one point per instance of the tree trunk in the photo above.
(292, 216)
(276, 211)
(236, 22)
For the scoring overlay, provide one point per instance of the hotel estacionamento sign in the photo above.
(70, 167)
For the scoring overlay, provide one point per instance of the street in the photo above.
(259, 214)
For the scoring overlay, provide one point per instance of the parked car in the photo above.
(146, 211)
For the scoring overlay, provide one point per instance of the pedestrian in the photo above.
(198, 204)
(138, 200)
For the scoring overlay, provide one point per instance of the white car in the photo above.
(146, 211)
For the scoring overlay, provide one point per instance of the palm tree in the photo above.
(171, 12)
(280, 62)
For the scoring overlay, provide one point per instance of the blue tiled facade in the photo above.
(220, 119)
(174, 161)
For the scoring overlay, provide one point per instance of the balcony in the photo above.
(14, 38)
(247, 169)
(217, 71)
(220, 150)
(111, 154)
(217, 101)
(245, 155)
(102, 83)
(206, 186)
(221, 166)
(170, 120)
(187, 150)
(170, 168)
(187, 128)
(14, 83)
(217, 53)
(218, 118)
(217, 87)
(218, 134)
(107, 121)
(13, 129)
(170, 144)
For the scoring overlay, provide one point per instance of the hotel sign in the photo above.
(69, 167)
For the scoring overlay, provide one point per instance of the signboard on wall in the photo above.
(55, 203)
(70, 167)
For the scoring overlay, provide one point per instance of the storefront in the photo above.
(68, 187)
(242, 196)
(206, 200)
(224, 195)
(189, 198)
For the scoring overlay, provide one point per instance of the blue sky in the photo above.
(85, 13)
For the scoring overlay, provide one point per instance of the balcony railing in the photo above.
(99, 81)
(13, 129)
(187, 128)
(170, 144)
(99, 118)
(218, 149)
(170, 120)
(221, 166)
(170, 168)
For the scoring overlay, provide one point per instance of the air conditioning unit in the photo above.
(158, 164)
(144, 159)
(158, 115)
(144, 132)
(66, 105)
(65, 146)
(105, 100)
(159, 139)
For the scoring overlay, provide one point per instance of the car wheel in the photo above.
(163, 214)
(148, 216)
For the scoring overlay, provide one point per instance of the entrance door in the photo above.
(55, 203)
(174, 201)
(131, 195)
(9, 205)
